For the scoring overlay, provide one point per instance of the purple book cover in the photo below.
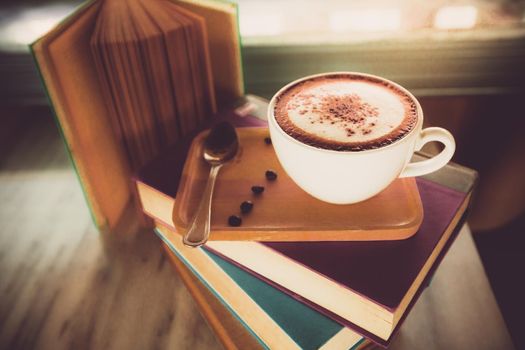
(392, 264)
(383, 270)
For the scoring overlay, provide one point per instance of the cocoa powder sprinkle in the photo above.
(341, 110)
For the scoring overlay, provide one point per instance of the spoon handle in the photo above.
(199, 230)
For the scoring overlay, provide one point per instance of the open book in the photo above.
(127, 78)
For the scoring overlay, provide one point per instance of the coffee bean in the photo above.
(268, 140)
(246, 207)
(257, 189)
(234, 220)
(271, 175)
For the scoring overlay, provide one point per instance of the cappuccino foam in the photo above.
(345, 112)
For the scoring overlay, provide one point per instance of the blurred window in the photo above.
(431, 47)
(335, 21)
(329, 21)
(437, 47)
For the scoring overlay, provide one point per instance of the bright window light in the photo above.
(261, 24)
(366, 20)
(30, 24)
(456, 17)
(23, 33)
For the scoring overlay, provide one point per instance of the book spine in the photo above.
(205, 309)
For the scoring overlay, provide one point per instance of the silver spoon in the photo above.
(220, 146)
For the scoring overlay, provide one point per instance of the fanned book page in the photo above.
(127, 78)
(153, 64)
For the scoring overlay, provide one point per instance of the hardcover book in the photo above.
(365, 285)
(274, 318)
(127, 78)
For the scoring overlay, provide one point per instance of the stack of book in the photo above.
(325, 294)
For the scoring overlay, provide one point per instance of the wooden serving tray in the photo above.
(284, 212)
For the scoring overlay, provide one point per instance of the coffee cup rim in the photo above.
(271, 115)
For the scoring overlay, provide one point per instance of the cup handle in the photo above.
(436, 162)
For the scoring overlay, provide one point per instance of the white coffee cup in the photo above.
(345, 177)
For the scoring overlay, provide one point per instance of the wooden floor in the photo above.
(64, 286)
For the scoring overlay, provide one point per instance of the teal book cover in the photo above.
(308, 328)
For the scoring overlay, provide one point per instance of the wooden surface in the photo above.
(284, 212)
(64, 286)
